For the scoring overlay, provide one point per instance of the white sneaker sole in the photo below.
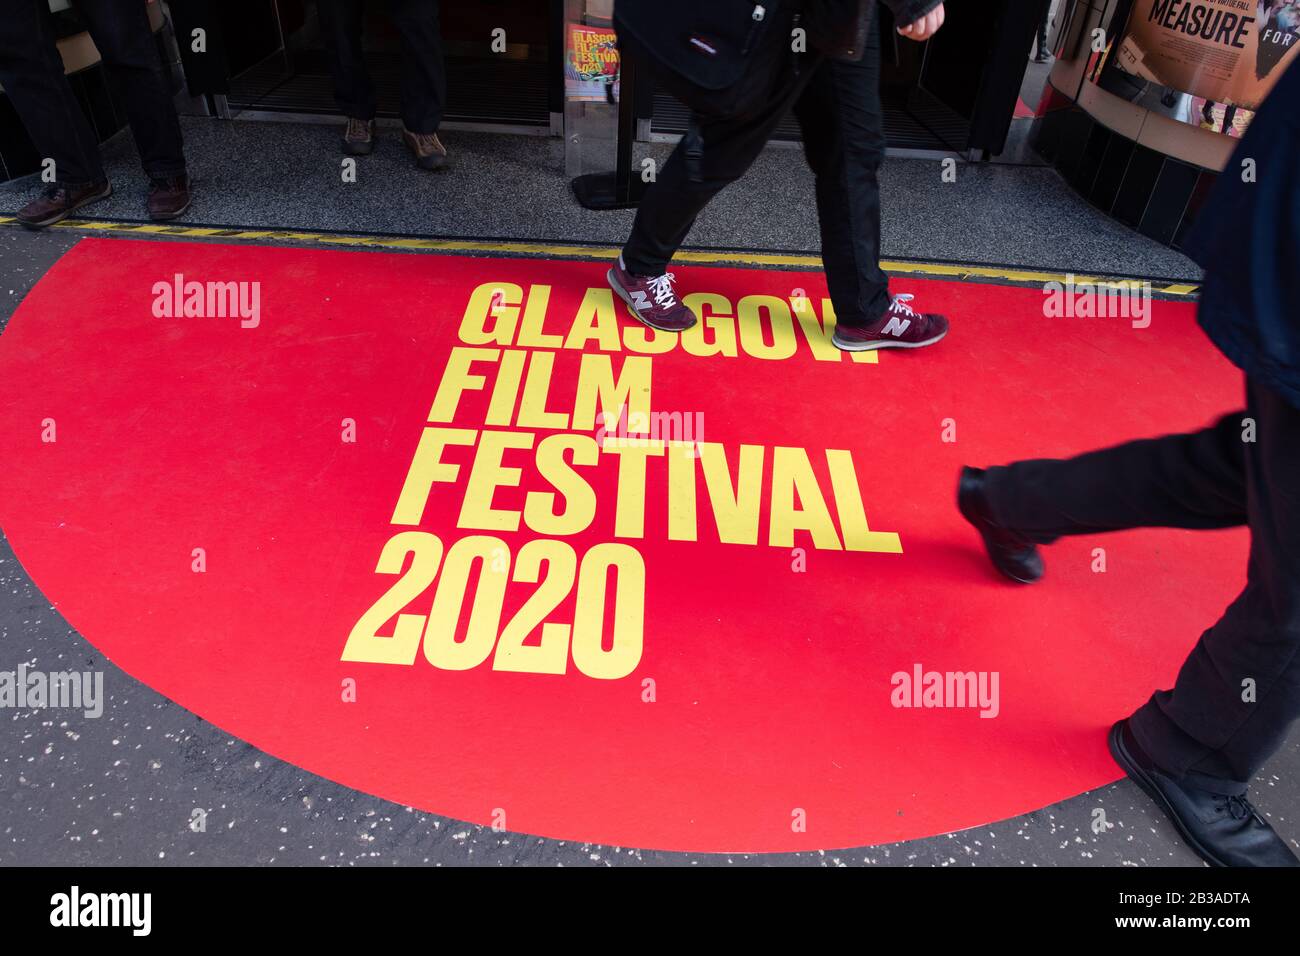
(846, 346)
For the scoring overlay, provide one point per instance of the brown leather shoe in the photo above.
(359, 137)
(59, 201)
(428, 149)
(169, 197)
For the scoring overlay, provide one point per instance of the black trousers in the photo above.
(423, 89)
(1243, 470)
(31, 73)
(838, 107)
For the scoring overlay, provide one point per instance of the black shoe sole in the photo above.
(64, 214)
(1013, 577)
(1120, 754)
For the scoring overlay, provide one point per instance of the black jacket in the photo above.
(1247, 238)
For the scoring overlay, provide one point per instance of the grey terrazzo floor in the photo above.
(121, 789)
(289, 174)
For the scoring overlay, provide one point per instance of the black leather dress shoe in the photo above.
(1223, 830)
(1013, 554)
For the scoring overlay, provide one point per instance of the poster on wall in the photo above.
(1224, 51)
(591, 64)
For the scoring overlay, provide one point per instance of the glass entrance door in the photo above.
(497, 54)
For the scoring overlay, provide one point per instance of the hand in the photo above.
(925, 27)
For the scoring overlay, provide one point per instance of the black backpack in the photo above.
(722, 57)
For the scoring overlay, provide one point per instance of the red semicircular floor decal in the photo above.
(700, 645)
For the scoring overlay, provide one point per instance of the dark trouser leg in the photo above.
(1213, 478)
(840, 117)
(674, 200)
(31, 73)
(728, 148)
(340, 22)
(1195, 480)
(424, 75)
(130, 54)
(1203, 728)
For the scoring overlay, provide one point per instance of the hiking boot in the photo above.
(427, 148)
(359, 137)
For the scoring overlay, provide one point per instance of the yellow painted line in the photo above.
(1005, 274)
(1026, 276)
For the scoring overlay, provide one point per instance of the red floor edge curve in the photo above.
(702, 642)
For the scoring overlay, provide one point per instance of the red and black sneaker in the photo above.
(900, 327)
(651, 299)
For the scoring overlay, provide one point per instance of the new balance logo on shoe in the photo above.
(896, 326)
(650, 299)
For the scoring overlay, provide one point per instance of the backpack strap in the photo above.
(693, 142)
